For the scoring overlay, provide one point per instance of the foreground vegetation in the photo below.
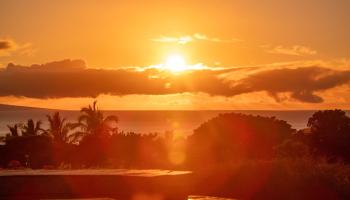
(242, 155)
(297, 178)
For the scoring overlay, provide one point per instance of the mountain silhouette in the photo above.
(7, 107)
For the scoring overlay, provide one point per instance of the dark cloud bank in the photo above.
(71, 78)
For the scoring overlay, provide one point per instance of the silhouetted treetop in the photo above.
(231, 136)
(32, 128)
(58, 128)
(328, 121)
(93, 122)
(330, 134)
(13, 130)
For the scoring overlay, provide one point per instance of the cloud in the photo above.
(8, 47)
(180, 40)
(302, 82)
(296, 50)
(192, 38)
(72, 78)
(4, 45)
(200, 36)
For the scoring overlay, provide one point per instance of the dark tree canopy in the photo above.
(330, 133)
(58, 128)
(93, 122)
(231, 137)
(36, 150)
(13, 130)
(225, 139)
(32, 128)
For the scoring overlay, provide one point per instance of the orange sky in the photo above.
(267, 36)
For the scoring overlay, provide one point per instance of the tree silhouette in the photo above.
(233, 137)
(134, 150)
(13, 130)
(59, 131)
(94, 132)
(330, 133)
(32, 148)
(32, 128)
(92, 122)
(58, 128)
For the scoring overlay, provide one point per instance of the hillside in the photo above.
(6, 107)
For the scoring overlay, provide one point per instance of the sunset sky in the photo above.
(184, 54)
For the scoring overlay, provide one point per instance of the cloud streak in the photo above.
(296, 50)
(71, 78)
(192, 38)
(8, 47)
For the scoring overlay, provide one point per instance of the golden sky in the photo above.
(228, 54)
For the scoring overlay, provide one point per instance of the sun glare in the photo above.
(175, 62)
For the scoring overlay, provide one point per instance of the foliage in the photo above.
(32, 150)
(249, 157)
(291, 148)
(32, 128)
(13, 130)
(280, 178)
(94, 141)
(58, 128)
(330, 134)
(92, 122)
(232, 137)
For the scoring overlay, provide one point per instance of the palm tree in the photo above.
(13, 130)
(58, 128)
(92, 122)
(32, 128)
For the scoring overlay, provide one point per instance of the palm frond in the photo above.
(76, 136)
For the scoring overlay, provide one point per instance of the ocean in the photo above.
(183, 122)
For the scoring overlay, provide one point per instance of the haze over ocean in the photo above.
(153, 121)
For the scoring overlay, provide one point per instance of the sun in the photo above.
(175, 62)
